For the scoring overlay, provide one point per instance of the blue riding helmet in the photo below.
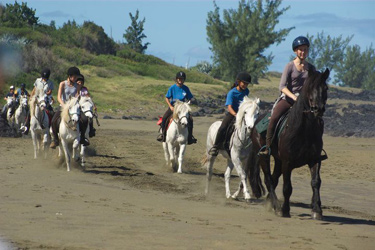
(301, 40)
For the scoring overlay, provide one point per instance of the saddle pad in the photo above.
(262, 126)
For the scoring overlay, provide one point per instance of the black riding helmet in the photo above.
(181, 74)
(45, 73)
(244, 77)
(23, 85)
(301, 40)
(73, 71)
(81, 78)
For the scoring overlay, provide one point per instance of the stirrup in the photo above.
(262, 151)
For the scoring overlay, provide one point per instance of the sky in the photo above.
(176, 30)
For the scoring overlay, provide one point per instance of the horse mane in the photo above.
(34, 99)
(244, 105)
(180, 107)
(66, 107)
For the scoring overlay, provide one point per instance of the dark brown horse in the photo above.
(299, 143)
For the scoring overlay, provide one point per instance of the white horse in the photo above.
(39, 123)
(11, 103)
(21, 112)
(177, 136)
(239, 146)
(87, 106)
(69, 130)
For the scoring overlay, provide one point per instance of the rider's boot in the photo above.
(54, 144)
(265, 150)
(191, 138)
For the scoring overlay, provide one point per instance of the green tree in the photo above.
(326, 51)
(134, 34)
(239, 41)
(357, 69)
(18, 15)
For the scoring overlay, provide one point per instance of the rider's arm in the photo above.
(59, 93)
(287, 92)
(49, 92)
(231, 111)
(169, 103)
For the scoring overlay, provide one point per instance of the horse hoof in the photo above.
(286, 215)
(316, 216)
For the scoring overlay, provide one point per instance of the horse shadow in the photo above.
(333, 218)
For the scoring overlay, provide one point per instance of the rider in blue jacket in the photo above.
(177, 91)
(234, 98)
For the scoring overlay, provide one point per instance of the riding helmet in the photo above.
(244, 77)
(81, 78)
(23, 85)
(46, 73)
(181, 74)
(301, 40)
(73, 71)
(11, 87)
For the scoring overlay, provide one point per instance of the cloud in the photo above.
(362, 27)
(199, 52)
(55, 14)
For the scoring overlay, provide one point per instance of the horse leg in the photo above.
(209, 166)
(181, 153)
(271, 197)
(64, 145)
(172, 156)
(45, 144)
(35, 144)
(276, 173)
(75, 150)
(287, 192)
(316, 213)
(241, 173)
(227, 174)
(82, 154)
(166, 154)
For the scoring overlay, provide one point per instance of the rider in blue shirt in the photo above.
(234, 98)
(177, 91)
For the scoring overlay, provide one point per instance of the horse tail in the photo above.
(254, 176)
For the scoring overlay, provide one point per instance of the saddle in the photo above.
(262, 125)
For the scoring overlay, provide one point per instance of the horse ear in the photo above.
(257, 101)
(326, 74)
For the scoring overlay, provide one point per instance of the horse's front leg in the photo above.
(35, 144)
(181, 153)
(172, 156)
(271, 197)
(76, 144)
(64, 145)
(227, 174)
(82, 154)
(45, 143)
(287, 192)
(241, 173)
(316, 203)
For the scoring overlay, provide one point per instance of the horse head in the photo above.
(87, 106)
(248, 113)
(23, 101)
(181, 113)
(71, 112)
(315, 93)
